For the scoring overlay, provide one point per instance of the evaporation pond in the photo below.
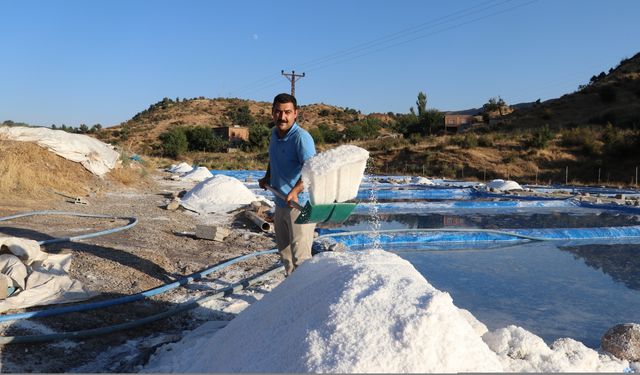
(554, 291)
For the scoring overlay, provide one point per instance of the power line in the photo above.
(386, 42)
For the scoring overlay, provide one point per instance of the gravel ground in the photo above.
(148, 255)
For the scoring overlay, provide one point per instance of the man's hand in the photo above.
(293, 194)
(292, 197)
(262, 182)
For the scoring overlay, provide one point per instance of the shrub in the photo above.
(485, 140)
(540, 138)
(174, 143)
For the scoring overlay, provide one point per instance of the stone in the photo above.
(173, 205)
(623, 341)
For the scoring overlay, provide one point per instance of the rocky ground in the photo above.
(156, 251)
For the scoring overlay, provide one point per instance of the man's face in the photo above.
(284, 115)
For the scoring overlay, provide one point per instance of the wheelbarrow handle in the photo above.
(283, 197)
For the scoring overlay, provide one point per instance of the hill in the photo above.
(141, 133)
(588, 136)
(612, 97)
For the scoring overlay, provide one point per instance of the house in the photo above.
(234, 134)
(454, 122)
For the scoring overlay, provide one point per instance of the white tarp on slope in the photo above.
(218, 194)
(42, 278)
(369, 312)
(98, 157)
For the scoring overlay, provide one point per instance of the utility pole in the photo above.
(292, 77)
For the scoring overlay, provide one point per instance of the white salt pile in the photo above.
(180, 168)
(197, 175)
(424, 181)
(334, 175)
(502, 185)
(366, 312)
(218, 194)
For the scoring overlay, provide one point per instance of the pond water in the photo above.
(575, 289)
(554, 291)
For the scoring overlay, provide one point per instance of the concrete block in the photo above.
(212, 232)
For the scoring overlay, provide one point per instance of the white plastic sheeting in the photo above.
(39, 278)
(96, 156)
(335, 175)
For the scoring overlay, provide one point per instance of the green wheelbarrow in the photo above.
(334, 213)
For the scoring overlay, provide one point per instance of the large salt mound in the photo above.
(369, 312)
(180, 168)
(218, 194)
(344, 313)
(502, 185)
(424, 181)
(334, 175)
(197, 175)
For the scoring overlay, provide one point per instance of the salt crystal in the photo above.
(335, 175)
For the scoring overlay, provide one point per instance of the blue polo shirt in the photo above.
(286, 157)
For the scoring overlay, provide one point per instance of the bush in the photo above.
(540, 138)
(469, 140)
(174, 143)
(201, 138)
(485, 140)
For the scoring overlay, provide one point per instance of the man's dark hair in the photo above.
(285, 98)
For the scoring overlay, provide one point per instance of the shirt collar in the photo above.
(292, 130)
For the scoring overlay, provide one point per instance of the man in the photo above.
(289, 147)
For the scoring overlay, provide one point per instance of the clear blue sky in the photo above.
(94, 61)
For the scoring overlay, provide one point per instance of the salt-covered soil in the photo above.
(148, 255)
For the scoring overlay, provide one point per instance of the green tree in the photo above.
(258, 138)
(241, 115)
(421, 104)
(83, 128)
(174, 143)
(494, 104)
(201, 138)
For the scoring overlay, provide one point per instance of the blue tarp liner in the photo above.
(367, 195)
(416, 207)
(469, 235)
(593, 190)
(242, 175)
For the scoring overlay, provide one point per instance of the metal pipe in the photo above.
(265, 226)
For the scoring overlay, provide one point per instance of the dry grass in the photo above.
(28, 171)
(131, 173)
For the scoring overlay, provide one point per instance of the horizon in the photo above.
(73, 62)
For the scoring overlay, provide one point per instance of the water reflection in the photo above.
(621, 262)
(493, 221)
(536, 286)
